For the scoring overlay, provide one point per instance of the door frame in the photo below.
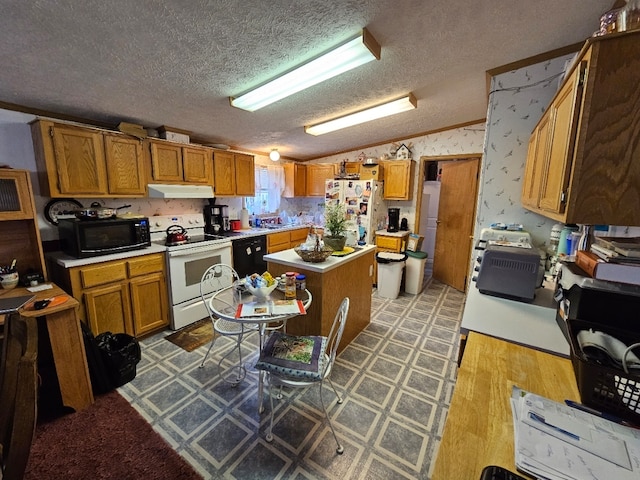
(420, 182)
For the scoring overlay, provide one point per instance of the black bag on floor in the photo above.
(100, 380)
(120, 353)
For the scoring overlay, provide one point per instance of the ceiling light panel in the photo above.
(403, 104)
(351, 54)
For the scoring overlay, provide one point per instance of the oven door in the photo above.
(186, 267)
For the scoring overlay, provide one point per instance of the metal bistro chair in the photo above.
(314, 368)
(214, 279)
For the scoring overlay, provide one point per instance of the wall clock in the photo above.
(60, 206)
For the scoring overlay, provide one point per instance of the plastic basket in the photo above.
(602, 387)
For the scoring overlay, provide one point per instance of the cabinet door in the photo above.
(80, 161)
(298, 236)
(565, 111)
(109, 309)
(316, 176)
(197, 165)
(245, 175)
(124, 160)
(15, 196)
(295, 180)
(166, 162)
(224, 173)
(536, 162)
(276, 242)
(398, 179)
(149, 303)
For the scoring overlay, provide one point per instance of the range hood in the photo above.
(157, 190)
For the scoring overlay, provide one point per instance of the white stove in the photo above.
(187, 262)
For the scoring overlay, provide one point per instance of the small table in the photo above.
(67, 344)
(224, 304)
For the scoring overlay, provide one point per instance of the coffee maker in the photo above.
(216, 219)
(394, 220)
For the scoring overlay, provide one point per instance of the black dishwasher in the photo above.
(248, 253)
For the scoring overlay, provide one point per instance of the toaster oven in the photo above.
(509, 271)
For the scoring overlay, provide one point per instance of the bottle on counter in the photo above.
(290, 286)
(301, 281)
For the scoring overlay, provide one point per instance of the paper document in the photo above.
(272, 308)
(556, 441)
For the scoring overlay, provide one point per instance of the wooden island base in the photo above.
(351, 277)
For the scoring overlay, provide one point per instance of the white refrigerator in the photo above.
(366, 209)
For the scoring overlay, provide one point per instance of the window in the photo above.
(269, 188)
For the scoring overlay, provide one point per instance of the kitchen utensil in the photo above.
(176, 235)
(97, 212)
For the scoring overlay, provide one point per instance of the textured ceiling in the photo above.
(177, 62)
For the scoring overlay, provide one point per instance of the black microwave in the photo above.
(90, 238)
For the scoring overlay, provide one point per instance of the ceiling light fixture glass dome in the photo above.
(274, 155)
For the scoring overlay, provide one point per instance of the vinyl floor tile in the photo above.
(396, 379)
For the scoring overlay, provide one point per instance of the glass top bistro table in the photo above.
(224, 304)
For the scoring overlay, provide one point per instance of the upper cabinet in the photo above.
(234, 174)
(86, 162)
(180, 163)
(398, 179)
(295, 180)
(317, 174)
(20, 238)
(582, 162)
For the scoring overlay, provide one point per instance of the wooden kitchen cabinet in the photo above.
(120, 296)
(278, 241)
(398, 179)
(234, 174)
(19, 224)
(295, 180)
(178, 163)
(352, 167)
(317, 174)
(589, 172)
(76, 161)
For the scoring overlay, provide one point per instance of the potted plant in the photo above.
(335, 224)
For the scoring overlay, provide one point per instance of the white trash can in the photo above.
(414, 275)
(390, 267)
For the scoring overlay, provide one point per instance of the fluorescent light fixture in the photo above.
(274, 155)
(351, 54)
(403, 104)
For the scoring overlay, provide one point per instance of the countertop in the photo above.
(290, 258)
(255, 232)
(399, 234)
(530, 324)
(67, 261)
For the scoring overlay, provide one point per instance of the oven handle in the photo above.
(197, 250)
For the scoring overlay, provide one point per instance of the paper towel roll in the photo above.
(244, 218)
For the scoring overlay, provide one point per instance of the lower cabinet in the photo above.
(120, 296)
(276, 242)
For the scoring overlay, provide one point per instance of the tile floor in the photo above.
(397, 378)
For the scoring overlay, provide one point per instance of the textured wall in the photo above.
(450, 142)
(518, 100)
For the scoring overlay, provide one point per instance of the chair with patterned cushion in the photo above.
(300, 361)
(214, 279)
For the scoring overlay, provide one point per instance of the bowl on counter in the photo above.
(9, 280)
(261, 293)
(315, 255)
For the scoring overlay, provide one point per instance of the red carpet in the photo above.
(108, 440)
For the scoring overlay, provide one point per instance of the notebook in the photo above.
(11, 304)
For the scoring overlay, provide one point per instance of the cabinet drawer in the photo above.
(277, 239)
(298, 236)
(391, 243)
(145, 264)
(101, 274)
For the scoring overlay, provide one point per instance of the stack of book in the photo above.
(615, 259)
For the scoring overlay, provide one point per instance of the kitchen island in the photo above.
(329, 282)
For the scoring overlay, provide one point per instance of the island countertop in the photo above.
(291, 259)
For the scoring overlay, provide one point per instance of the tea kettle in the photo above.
(176, 235)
